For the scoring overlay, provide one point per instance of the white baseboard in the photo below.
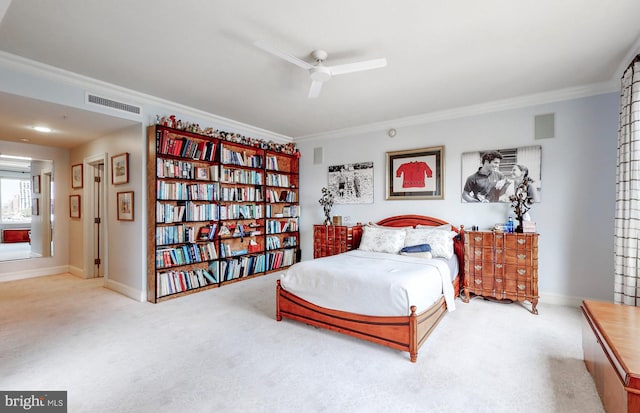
(32, 273)
(558, 299)
(78, 272)
(125, 290)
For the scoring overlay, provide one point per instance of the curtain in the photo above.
(627, 215)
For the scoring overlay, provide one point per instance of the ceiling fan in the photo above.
(318, 72)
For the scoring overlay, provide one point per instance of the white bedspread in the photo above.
(371, 283)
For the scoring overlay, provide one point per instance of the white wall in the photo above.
(124, 261)
(575, 217)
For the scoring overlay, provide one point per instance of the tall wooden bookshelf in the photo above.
(219, 212)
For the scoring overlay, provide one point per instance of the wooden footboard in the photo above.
(405, 333)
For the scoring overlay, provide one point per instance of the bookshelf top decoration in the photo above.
(171, 122)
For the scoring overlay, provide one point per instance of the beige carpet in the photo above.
(222, 351)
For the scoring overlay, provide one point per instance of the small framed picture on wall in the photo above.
(35, 185)
(120, 169)
(76, 176)
(125, 206)
(74, 206)
(35, 206)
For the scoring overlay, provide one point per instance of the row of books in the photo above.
(230, 157)
(278, 180)
(242, 266)
(287, 211)
(274, 243)
(172, 282)
(175, 234)
(185, 254)
(288, 242)
(279, 164)
(241, 176)
(173, 168)
(185, 191)
(207, 232)
(177, 145)
(238, 211)
(280, 226)
(190, 211)
(283, 196)
(241, 194)
(272, 163)
(279, 259)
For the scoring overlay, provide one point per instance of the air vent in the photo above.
(113, 104)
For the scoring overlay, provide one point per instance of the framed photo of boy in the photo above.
(35, 185)
(494, 175)
(120, 168)
(415, 174)
(125, 206)
(76, 176)
(74, 206)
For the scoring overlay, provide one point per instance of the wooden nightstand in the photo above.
(335, 239)
(502, 266)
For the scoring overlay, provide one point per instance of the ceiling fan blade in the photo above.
(315, 88)
(358, 66)
(283, 55)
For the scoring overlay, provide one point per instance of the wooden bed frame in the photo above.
(406, 333)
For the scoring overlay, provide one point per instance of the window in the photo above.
(15, 197)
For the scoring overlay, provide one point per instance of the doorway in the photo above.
(95, 254)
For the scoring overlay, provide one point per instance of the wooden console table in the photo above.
(610, 337)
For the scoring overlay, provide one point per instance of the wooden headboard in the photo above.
(413, 220)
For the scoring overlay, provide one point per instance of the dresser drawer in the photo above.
(502, 265)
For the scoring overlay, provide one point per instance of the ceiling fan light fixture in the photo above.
(320, 73)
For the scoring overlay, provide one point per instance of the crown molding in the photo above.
(116, 92)
(631, 54)
(472, 110)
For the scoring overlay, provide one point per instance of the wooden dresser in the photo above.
(335, 239)
(502, 266)
(610, 342)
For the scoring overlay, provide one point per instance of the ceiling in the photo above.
(441, 55)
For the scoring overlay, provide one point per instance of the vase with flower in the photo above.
(327, 202)
(521, 202)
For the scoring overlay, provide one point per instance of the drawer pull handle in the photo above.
(522, 272)
(498, 265)
(522, 256)
(478, 267)
(478, 238)
(478, 253)
(498, 280)
(522, 241)
(520, 286)
(498, 250)
(478, 281)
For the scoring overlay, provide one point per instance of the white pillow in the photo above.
(376, 239)
(441, 241)
(425, 254)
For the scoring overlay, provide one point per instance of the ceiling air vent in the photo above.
(113, 104)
